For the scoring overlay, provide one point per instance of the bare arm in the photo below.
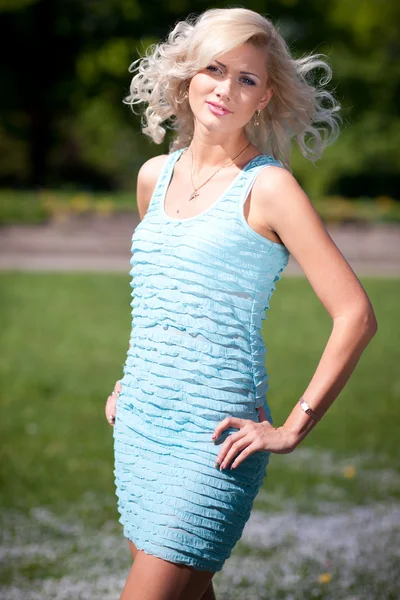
(292, 216)
(146, 183)
(282, 206)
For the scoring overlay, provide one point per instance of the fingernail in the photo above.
(216, 465)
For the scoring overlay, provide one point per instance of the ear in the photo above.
(265, 99)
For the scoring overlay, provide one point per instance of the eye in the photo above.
(212, 68)
(248, 81)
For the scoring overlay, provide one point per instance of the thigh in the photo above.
(208, 594)
(152, 578)
(133, 549)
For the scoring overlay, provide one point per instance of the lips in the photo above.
(218, 109)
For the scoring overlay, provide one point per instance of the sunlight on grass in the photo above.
(64, 339)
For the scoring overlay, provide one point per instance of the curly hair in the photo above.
(299, 108)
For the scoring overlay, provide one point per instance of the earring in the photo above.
(256, 118)
(185, 94)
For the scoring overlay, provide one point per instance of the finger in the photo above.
(244, 454)
(225, 423)
(226, 446)
(110, 406)
(111, 419)
(237, 447)
(116, 391)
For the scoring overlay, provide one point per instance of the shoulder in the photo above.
(146, 181)
(151, 169)
(278, 192)
(274, 178)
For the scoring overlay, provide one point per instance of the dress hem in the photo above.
(167, 556)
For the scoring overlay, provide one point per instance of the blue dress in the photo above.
(201, 288)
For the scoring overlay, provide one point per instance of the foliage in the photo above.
(64, 121)
(30, 207)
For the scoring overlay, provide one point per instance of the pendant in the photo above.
(194, 195)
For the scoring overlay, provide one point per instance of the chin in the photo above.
(216, 124)
(218, 129)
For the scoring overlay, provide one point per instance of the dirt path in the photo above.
(88, 243)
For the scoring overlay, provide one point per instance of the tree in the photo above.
(65, 72)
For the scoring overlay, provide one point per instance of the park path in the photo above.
(97, 243)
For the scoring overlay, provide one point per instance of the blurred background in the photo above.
(326, 524)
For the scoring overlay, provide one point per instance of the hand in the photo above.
(111, 404)
(250, 438)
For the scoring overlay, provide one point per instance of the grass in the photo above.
(64, 339)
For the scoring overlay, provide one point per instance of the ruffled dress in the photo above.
(201, 287)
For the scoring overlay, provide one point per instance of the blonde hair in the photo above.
(300, 108)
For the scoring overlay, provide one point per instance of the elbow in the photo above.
(371, 328)
(362, 321)
(373, 325)
(368, 323)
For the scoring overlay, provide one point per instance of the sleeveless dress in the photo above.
(201, 288)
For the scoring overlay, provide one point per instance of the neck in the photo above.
(208, 153)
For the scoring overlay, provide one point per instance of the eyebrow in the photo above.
(242, 72)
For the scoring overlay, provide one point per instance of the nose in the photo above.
(223, 88)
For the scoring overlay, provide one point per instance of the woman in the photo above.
(193, 432)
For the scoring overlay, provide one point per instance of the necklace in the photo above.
(195, 192)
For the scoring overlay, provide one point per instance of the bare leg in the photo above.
(152, 578)
(209, 594)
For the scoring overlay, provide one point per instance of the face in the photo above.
(226, 93)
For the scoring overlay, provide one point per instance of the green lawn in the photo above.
(64, 339)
